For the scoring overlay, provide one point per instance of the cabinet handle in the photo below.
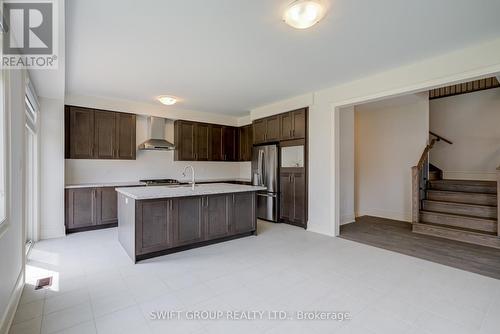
(207, 202)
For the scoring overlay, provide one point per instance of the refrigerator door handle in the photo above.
(267, 195)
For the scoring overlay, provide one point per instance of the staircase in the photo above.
(460, 210)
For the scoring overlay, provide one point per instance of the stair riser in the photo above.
(481, 199)
(463, 236)
(461, 222)
(459, 209)
(463, 188)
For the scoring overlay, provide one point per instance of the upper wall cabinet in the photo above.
(286, 126)
(210, 142)
(99, 134)
(266, 130)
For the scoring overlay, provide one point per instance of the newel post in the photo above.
(415, 194)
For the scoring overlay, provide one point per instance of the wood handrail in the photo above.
(429, 147)
(439, 138)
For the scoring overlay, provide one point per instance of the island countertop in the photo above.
(142, 193)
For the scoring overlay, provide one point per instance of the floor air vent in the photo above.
(43, 283)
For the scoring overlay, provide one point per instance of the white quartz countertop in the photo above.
(140, 193)
(105, 184)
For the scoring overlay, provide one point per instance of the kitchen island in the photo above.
(154, 221)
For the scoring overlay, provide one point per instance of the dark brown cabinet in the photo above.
(106, 208)
(187, 220)
(86, 208)
(185, 141)
(293, 197)
(202, 140)
(259, 131)
(153, 226)
(81, 129)
(286, 126)
(173, 224)
(229, 143)
(245, 143)
(216, 215)
(216, 143)
(293, 125)
(99, 134)
(243, 212)
(209, 142)
(80, 208)
(105, 135)
(266, 130)
(125, 136)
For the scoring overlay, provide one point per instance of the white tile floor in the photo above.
(97, 289)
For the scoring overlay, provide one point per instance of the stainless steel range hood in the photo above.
(156, 136)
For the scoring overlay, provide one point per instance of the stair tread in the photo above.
(465, 193)
(454, 215)
(457, 228)
(467, 182)
(460, 204)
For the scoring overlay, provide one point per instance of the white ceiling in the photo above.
(228, 56)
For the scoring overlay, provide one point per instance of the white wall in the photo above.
(12, 234)
(390, 137)
(462, 65)
(52, 168)
(149, 164)
(347, 213)
(472, 123)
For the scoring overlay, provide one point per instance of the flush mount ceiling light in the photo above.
(167, 100)
(303, 14)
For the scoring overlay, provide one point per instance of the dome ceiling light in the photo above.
(303, 14)
(167, 100)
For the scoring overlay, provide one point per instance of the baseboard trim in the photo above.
(401, 216)
(14, 299)
(461, 175)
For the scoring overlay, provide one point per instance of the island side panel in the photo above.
(126, 224)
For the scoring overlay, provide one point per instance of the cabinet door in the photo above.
(202, 135)
(125, 136)
(272, 128)
(286, 196)
(106, 206)
(286, 126)
(259, 131)
(245, 143)
(243, 213)
(299, 198)
(105, 135)
(81, 139)
(152, 226)
(299, 124)
(229, 143)
(80, 208)
(216, 216)
(187, 220)
(216, 143)
(185, 141)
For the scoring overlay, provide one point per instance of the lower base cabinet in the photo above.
(90, 208)
(166, 224)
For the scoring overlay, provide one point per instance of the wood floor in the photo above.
(397, 236)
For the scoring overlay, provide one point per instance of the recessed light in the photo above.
(167, 100)
(303, 14)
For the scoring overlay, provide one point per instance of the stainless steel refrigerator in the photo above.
(265, 173)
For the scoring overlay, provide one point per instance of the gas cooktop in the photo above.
(160, 182)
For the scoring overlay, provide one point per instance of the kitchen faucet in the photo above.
(192, 172)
